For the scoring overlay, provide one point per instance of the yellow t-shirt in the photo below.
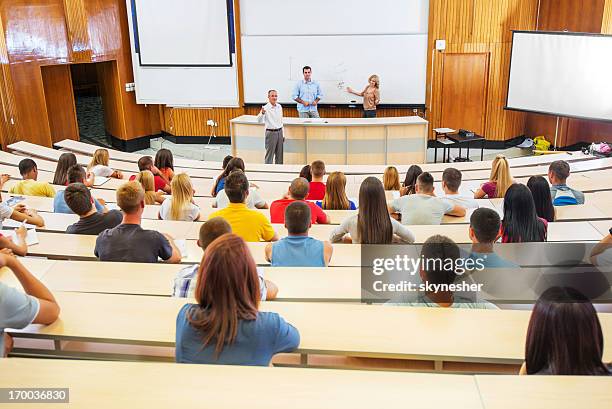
(249, 224)
(31, 187)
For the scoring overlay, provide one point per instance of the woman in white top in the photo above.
(99, 165)
(180, 205)
(372, 224)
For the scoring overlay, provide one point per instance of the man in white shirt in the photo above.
(451, 180)
(272, 115)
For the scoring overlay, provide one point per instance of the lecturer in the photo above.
(307, 93)
(371, 96)
(272, 115)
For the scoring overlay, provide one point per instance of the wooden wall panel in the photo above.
(8, 131)
(571, 15)
(57, 84)
(78, 37)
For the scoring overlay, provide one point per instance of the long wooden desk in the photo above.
(377, 331)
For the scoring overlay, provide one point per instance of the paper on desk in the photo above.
(181, 245)
(15, 224)
(112, 206)
(31, 237)
(100, 180)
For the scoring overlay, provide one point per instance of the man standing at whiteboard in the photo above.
(272, 115)
(307, 93)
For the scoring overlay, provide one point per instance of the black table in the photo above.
(460, 140)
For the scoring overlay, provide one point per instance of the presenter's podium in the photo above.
(337, 141)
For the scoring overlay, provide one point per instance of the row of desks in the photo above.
(135, 385)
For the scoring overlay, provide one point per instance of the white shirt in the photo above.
(254, 200)
(190, 212)
(273, 117)
(101, 170)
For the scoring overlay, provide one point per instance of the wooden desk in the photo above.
(602, 226)
(146, 385)
(38, 267)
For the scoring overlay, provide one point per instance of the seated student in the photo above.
(561, 193)
(19, 212)
(521, 222)
(391, 179)
(601, 254)
(306, 174)
(499, 181)
(79, 201)
(298, 190)
(485, 227)
(164, 161)
(18, 247)
(434, 273)
(180, 205)
(36, 305)
(409, 186)
(540, 191)
(372, 224)
(128, 242)
(76, 174)
(564, 336)
(99, 165)
(254, 199)
(64, 163)
(233, 164)
(451, 180)
(335, 194)
(225, 326)
(316, 191)
(186, 280)
(424, 207)
(147, 181)
(249, 224)
(29, 185)
(159, 179)
(297, 249)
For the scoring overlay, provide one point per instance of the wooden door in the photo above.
(464, 91)
(59, 98)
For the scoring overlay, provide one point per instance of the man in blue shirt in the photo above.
(307, 93)
(76, 174)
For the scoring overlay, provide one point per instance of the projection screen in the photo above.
(564, 74)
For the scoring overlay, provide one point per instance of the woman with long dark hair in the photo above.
(164, 161)
(372, 224)
(233, 164)
(225, 326)
(564, 336)
(540, 190)
(306, 174)
(65, 162)
(521, 222)
(409, 186)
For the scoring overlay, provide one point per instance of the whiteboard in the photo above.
(337, 62)
(183, 86)
(333, 17)
(183, 32)
(565, 74)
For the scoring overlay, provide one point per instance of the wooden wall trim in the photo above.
(76, 26)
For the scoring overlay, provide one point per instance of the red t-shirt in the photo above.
(316, 191)
(160, 183)
(277, 211)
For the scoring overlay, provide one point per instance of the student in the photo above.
(164, 161)
(29, 185)
(409, 187)
(540, 191)
(424, 207)
(561, 193)
(19, 212)
(18, 247)
(438, 273)
(391, 179)
(254, 199)
(76, 174)
(451, 181)
(298, 249)
(249, 224)
(186, 280)
(484, 230)
(35, 305)
(499, 181)
(225, 326)
(564, 336)
(372, 224)
(601, 254)
(233, 164)
(180, 205)
(128, 242)
(298, 190)
(99, 165)
(335, 194)
(521, 222)
(147, 181)
(306, 174)
(64, 163)
(159, 179)
(79, 201)
(316, 190)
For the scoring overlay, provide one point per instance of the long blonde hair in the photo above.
(391, 179)
(100, 157)
(335, 195)
(376, 80)
(147, 181)
(500, 174)
(182, 194)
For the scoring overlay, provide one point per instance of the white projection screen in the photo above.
(564, 74)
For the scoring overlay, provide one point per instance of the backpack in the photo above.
(564, 196)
